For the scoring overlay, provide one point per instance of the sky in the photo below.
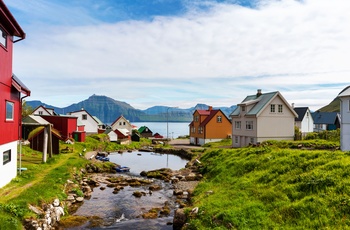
(182, 52)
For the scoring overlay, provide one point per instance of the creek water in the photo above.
(111, 207)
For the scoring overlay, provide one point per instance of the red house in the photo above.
(12, 92)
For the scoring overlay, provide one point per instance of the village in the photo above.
(259, 117)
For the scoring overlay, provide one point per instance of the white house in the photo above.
(344, 97)
(261, 117)
(122, 123)
(304, 121)
(89, 122)
(41, 110)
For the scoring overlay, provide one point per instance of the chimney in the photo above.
(258, 94)
(210, 108)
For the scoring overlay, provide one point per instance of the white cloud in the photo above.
(215, 57)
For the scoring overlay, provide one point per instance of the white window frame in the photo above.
(238, 124)
(249, 125)
(10, 111)
(272, 108)
(219, 119)
(236, 139)
(3, 37)
(280, 108)
(84, 117)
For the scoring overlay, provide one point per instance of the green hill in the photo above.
(334, 106)
(271, 187)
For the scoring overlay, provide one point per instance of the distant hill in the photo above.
(108, 110)
(334, 106)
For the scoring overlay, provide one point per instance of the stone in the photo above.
(80, 199)
(56, 203)
(179, 219)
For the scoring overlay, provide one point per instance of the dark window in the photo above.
(84, 117)
(6, 156)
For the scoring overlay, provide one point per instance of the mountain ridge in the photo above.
(108, 110)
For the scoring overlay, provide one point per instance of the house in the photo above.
(67, 125)
(12, 93)
(260, 117)
(122, 123)
(344, 97)
(111, 134)
(123, 136)
(304, 121)
(157, 135)
(91, 126)
(209, 126)
(144, 131)
(41, 110)
(326, 121)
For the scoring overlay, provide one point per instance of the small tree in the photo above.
(26, 109)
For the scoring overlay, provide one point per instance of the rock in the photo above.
(70, 198)
(56, 203)
(155, 187)
(80, 199)
(137, 194)
(179, 219)
(178, 192)
(36, 210)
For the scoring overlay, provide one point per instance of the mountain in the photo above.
(334, 106)
(108, 110)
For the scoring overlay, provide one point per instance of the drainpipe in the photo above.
(20, 134)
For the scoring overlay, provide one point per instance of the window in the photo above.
(124, 123)
(196, 118)
(237, 124)
(84, 117)
(252, 140)
(9, 111)
(40, 112)
(280, 108)
(249, 125)
(272, 108)
(200, 129)
(3, 37)
(243, 108)
(236, 139)
(120, 123)
(6, 156)
(349, 105)
(219, 119)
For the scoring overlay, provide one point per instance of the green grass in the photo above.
(43, 182)
(269, 187)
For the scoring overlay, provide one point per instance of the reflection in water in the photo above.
(110, 207)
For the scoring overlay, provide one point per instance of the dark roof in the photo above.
(301, 111)
(9, 22)
(325, 117)
(18, 84)
(143, 129)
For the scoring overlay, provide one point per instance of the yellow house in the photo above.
(209, 126)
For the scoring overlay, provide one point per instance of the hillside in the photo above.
(271, 187)
(108, 110)
(334, 106)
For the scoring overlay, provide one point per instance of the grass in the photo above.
(270, 187)
(43, 182)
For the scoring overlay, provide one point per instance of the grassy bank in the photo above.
(43, 182)
(274, 186)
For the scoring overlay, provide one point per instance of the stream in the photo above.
(123, 210)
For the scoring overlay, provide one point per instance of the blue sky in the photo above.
(183, 52)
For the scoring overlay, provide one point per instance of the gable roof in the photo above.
(301, 111)
(212, 114)
(10, 23)
(83, 110)
(345, 92)
(325, 117)
(143, 128)
(120, 117)
(261, 100)
(33, 119)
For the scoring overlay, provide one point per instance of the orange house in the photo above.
(209, 126)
